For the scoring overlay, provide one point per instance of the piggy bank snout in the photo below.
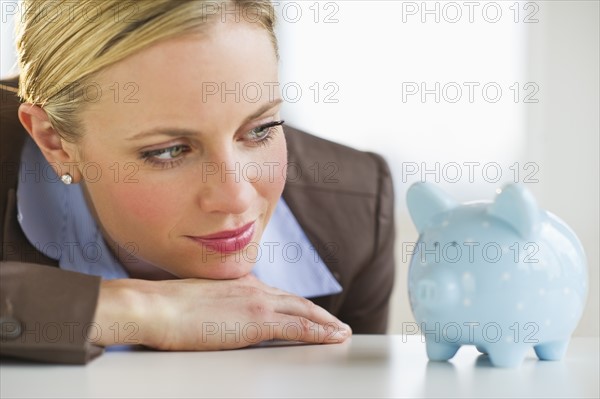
(437, 292)
(428, 292)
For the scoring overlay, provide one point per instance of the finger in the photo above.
(287, 303)
(297, 306)
(294, 328)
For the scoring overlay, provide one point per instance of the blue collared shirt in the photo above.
(56, 220)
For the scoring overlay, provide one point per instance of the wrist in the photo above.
(120, 312)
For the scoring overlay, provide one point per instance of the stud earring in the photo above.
(66, 178)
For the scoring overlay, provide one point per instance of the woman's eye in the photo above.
(259, 133)
(165, 157)
(170, 153)
(263, 134)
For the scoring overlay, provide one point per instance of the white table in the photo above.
(365, 367)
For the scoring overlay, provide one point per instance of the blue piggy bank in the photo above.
(503, 275)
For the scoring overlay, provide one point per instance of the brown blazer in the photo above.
(346, 210)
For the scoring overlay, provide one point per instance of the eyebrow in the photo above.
(180, 132)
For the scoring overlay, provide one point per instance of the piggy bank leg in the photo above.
(440, 351)
(551, 350)
(507, 355)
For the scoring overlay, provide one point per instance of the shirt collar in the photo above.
(288, 261)
(56, 220)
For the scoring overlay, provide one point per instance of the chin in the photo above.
(227, 270)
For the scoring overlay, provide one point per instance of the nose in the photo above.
(224, 188)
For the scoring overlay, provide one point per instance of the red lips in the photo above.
(229, 240)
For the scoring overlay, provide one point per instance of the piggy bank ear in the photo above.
(425, 201)
(516, 206)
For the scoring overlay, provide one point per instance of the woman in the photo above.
(155, 184)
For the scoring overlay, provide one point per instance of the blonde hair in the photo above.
(63, 44)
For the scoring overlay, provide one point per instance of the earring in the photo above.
(66, 178)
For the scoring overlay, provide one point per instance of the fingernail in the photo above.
(339, 335)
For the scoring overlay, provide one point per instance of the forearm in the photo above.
(46, 313)
(188, 314)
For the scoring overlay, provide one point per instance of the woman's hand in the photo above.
(195, 314)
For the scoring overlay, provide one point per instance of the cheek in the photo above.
(135, 205)
(273, 173)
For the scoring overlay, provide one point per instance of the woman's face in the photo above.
(178, 138)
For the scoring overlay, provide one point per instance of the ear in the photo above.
(61, 155)
(425, 201)
(516, 206)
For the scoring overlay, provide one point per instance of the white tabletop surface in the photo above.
(365, 367)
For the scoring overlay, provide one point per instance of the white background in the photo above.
(377, 46)
(355, 60)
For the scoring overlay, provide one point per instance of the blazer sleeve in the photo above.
(47, 314)
(367, 306)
